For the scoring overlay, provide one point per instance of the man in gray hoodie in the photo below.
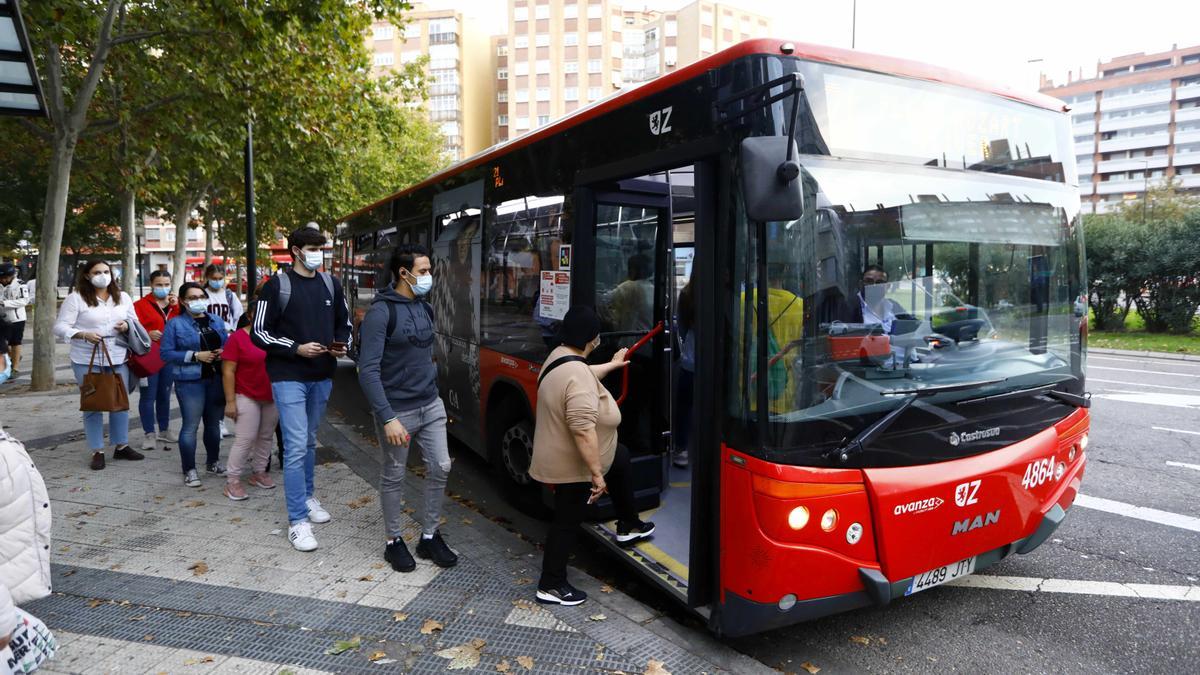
(398, 376)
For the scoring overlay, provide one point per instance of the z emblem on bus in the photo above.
(966, 493)
(660, 121)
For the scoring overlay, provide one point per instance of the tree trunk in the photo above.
(183, 215)
(129, 261)
(208, 243)
(49, 249)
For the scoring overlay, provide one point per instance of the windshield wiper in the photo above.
(855, 445)
(1049, 390)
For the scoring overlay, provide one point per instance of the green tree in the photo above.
(1116, 262)
(1170, 274)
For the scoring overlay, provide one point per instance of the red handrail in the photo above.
(658, 328)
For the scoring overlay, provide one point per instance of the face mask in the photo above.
(595, 345)
(216, 284)
(101, 280)
(161, 292)
(875, 294)
(424, 284)
(197, 306)
(313, 259)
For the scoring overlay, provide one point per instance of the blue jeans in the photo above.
(200, 400)
(154, 400)
(93, 422)
(301, 407)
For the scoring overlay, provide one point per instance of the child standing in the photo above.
(248, 402)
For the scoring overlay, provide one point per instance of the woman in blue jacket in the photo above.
(193, 342)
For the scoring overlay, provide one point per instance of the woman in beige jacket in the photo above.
(575, 450)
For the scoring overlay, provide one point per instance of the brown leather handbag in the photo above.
(101, 391)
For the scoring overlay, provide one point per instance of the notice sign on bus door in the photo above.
(556, 295)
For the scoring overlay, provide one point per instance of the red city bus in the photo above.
(886, 363)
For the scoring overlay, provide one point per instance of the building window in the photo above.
(671, 55)
(543, 120)
(570, 39)
(543, 93)
(502, 120)
(672, 29)
(522, 123)
(385, 59)
(570, 11)
(521, 68)
(541, 67)
(595, 11)
(541, 12)
(521, 41)
(593, 93)
(412, 30)
(501, 50)
(384, 32)
(593, 65)
(571, 94)
(541, 39)
(521, 95)
(570, 66)
(408, 56)
(502, 73)
(595, 39)
(502, 96)
(520, 14)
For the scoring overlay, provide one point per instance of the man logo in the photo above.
(954, 439)
(967, 493)
(968, 524)
(660, 121)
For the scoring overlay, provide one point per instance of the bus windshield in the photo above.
(903, 276)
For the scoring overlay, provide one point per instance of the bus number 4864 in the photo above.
(1038, 472)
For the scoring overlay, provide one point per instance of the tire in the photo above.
(510, 450)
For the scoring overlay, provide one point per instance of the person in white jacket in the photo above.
(24, 558)
(14, 296)
(98, 311)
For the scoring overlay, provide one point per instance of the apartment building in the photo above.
(457, 52)
(560, 55)
(1136, 123)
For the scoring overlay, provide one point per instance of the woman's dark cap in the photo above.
(579, 327)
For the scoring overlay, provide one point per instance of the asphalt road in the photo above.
(1144, 452)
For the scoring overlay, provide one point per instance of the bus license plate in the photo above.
(941, 575)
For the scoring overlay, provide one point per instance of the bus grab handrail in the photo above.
(658, 328)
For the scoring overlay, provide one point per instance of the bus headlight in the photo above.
(829, 520)
(798, 518)
(1083, 442)
(1071, 453)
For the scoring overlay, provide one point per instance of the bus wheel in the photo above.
(516, 452)
(510, 451)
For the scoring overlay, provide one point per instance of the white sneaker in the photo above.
(316, 514)
(302, 537)
(149, 441)
(167, 438)
(224, 431)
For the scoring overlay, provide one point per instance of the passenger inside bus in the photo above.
(785, 329)
(631, 304)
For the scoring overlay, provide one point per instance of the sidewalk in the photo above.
(151, 576)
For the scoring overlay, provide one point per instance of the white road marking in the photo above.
(1141, 370)
(1180, 364)
(1185, 465)
(1178, 431)
(1080, 587)
(1140, 384)
(1140, 512)
(1154, 398)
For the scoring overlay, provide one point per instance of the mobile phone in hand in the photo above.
(337, 346)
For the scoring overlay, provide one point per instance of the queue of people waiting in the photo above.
(273, 363)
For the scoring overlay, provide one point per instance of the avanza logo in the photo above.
(971, 436)
(918, 506)
(968, 524)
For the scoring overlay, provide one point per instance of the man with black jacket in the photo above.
(303, 324)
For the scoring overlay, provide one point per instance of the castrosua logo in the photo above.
(970, 436)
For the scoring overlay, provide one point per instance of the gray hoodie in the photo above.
(399, 375)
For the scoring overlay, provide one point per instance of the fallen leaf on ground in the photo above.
(199, 568)
(193, 504)
(811, 667)
(597, 617)
(526, 662)
(183, 615)
(264, 624)
(464, 656)
(524, 581)
(606, 589)
(343, 646)
(95, 602)
(360, 502)
(524, 604)
(378, 566)
(467, 521)
(399, 616)
(503, 667)
(655, 667)
(430, 626)
(148, 638)
(138, 618)
(377, 656)
(366, 577)
(882, 641)
(860, 639)
(235, 520)
(159, 498)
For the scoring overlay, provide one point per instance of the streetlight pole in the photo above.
(1145, 187)
(251, 233)
(853, 23)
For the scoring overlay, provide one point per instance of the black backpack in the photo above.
(355, 343)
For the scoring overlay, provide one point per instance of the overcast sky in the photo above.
(992, 39)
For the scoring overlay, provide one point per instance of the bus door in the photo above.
(639, 237)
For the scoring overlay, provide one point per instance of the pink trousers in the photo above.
(254, 437)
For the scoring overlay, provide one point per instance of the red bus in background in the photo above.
(888, 358)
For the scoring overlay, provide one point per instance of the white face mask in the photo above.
(101, 280)
(424, 284)
(313, 259)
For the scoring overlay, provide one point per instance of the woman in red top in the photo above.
(153, 311)
(248, 402)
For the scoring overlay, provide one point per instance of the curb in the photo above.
(1164, 356)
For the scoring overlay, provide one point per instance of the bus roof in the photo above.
(810, 52)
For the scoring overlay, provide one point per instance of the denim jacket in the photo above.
(181, 339)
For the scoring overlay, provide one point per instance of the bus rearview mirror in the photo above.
(770, 179)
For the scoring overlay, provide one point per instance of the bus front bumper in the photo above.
(740, 616)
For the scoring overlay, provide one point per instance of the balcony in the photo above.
(1085, 148)
(1112, 187)
(1191, 180)
(1187, 91)
(1085, 127)
(1136, 121)
(1135, 100)
(1133, 164)
(443, 115)
(1135, 142)
(443, 38)
(1187, 158)
(1187, 114)
(1189, 136)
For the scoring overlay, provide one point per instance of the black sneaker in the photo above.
(566, 595)
(627, 532)
(128, 453)
(435, 549)
(397, 554)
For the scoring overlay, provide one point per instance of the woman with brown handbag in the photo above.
(91, 318)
